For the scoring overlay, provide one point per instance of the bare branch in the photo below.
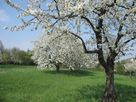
(57, 8)
(90, 23)
(129, 40)
(119, 35)
(83, 43)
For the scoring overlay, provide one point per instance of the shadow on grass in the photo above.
(7, 66)
(72, 73)
(1, 100)
(10, 66)
(94, 93)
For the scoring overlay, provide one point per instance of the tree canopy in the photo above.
(61, 49)
(110, 25)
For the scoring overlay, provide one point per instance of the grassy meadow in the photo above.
(27, 84)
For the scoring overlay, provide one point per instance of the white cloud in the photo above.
(3, 16)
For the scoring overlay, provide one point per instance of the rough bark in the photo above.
(109, 93)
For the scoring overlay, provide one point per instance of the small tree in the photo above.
(110, 24)
(6, 58)
(1, 46)
(1, 50)
(14, 52)
(20, 57)
(130, 67)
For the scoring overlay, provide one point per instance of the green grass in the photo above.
(27, 84)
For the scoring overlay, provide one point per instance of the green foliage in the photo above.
(119, 68)
(27, 84)
(21, 57)
(98, 67)
(24, 58)
(6, 57)
(15, 56)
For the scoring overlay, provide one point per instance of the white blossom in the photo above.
(60, 48)
(130, 66)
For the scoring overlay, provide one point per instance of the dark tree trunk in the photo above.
(71, 69)
(57, 67)
(109, 93)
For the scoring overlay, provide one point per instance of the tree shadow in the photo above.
(10, 66)
(2, 99)
(6, 66)
(72, 73)
(94, 93)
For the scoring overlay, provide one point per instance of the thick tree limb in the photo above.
(83, 43)
(89, 22)
(119, 35)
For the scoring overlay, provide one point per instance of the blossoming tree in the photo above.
(56, 49)
(1, 50)
(130, 66)
(110, 23)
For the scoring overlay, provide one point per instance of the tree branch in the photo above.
(107, 40)
(57, 8)
(83, 43)
(119, 35)
(126, 42)
(90, 23)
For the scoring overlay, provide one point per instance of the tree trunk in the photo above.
(109, 93)
(57, 67)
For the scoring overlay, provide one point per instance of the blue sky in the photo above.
(21, 39)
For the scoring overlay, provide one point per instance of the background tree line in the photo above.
(15, 56)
